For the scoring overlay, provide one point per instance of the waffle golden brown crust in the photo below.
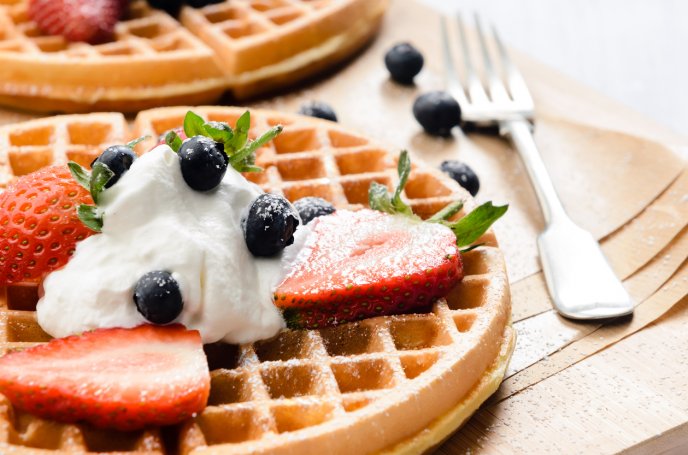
(398, 383)
(246, 46)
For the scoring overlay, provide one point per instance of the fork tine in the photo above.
(497, 90)
(475, 87)
(517, 85)
(453, 81)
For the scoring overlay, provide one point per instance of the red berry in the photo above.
(40, 227)
(124, 379)
(92, 21)
(367, 263)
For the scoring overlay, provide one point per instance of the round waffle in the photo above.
(398, 383)
(246, 46)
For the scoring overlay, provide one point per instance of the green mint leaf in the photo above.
(91, 216)
(244, 167)
(100, 175)
(404, 169)
(173, 140)
(135, 142)
(472, 247)
(240, 133)
(469, 228)
(447, 212)
(219, 131)
(244, 158)
(378, 198)
(194, 125)
(80, 174)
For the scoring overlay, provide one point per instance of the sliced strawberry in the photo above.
(40, 227)
(124, 379)
(92, 21)
(367, 263)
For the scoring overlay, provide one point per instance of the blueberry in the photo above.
(312, 207)
(157, 297)
(463, 174)
(204, 163)
(403, 62)
(171, 7)
(119, 159)
(270, 224)
(437, 112)
(318, 109)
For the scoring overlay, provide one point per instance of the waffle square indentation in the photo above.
(339, 139)
(26, 161)
(418, 332)
(415, 365)
(356, 191)
(229, 386)
(236, 424)
(286, 345)
(88, 133)
(301, 168)
(423, 186)
(468, 294)
(222, 355)
(40, 135)
(23, 328)
(295, 141)
(363, 374)
(350, 339)
(288, 381)
(363, 161)
(464, 321)
(297, 415)
(323, 190)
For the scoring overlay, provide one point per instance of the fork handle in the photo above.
(520, 133)
(579, 278)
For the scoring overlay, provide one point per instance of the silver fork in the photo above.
(580, 280)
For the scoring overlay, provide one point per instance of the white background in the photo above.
(635, 51)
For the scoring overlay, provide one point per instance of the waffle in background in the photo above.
(266, 44)
(249, 46)
(374, 385)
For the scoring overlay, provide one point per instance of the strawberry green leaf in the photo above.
(91, 216)
(243, 160)
(243, 124)
(447, 212)
(219, 131)
(80, 174)
(194, 125)
(469, 228)
(404, 169)
(378, 198)
(174, 141)
(100, 175)
(134, 143)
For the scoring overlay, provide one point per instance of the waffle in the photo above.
(293, 38)
(248, 46)
(398, 383)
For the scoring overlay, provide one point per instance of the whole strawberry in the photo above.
(40, 227)
(92, 21)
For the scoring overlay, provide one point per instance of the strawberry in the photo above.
(368, 263)
(125, 379)
(92, 21)
(40, 227)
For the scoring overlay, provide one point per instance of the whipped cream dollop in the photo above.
(154, 221)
